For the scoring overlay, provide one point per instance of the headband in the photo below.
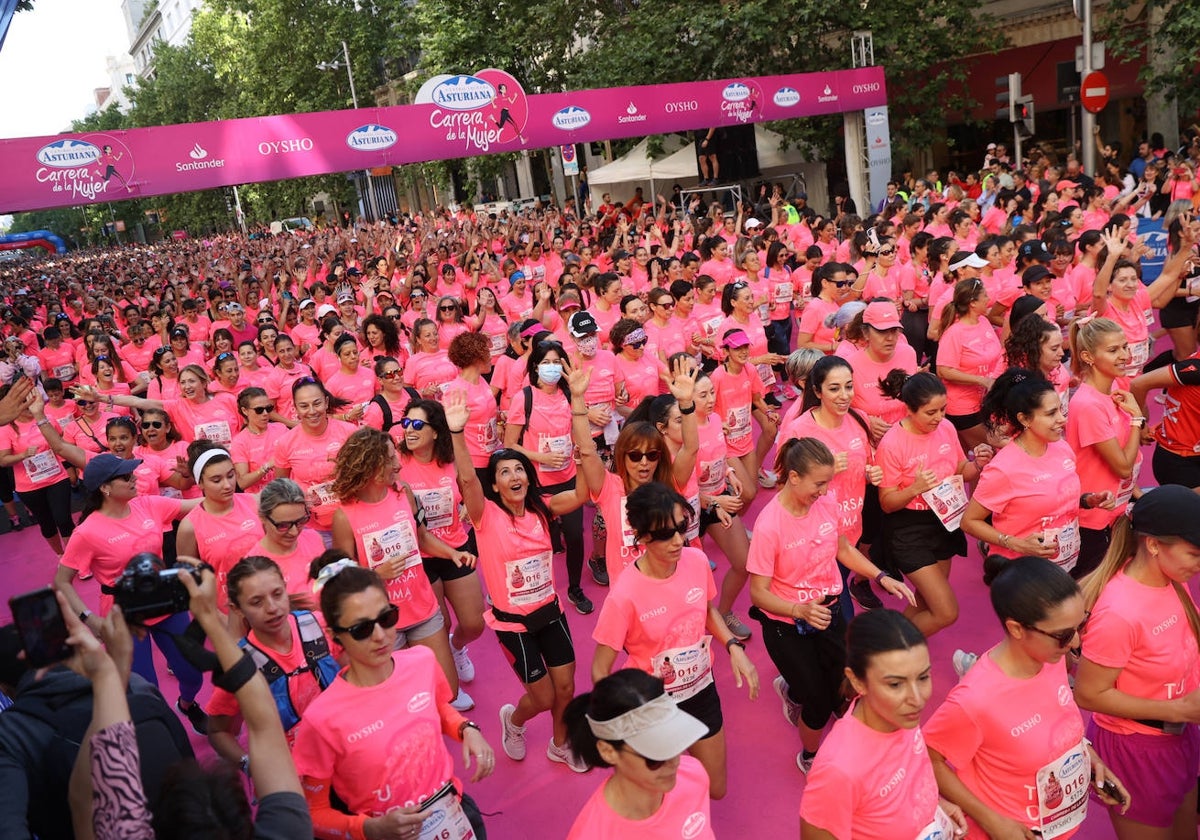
(331, 571)
(205, 457)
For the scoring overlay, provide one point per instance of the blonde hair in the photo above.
(1086, 336)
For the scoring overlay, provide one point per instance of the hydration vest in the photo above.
(317, 661)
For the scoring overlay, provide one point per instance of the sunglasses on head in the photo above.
(1062, 638)
(223, 356)
(413, 423)
(652, 764)
(362, 630)
(262, 409)
(667, 534)
(284, 527)
(636, 455)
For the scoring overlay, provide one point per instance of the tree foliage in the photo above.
(1170, 63)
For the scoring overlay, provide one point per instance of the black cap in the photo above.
(1035, 273)
(1022, 308)
(1169, 511)
(1034, 250)
(582, 323)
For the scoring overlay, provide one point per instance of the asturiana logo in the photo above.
(786, 97)
(370, 138)
(571, 118)
(463, 93)
(632, 115)
(199, 160)
(735, 92)
(67, 154)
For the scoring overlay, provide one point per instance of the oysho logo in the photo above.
(1166, 625)
(649, 614)
(67, 154)
(693, 825)
(199, 160)
(463, 93)
(632, 115)
(370, 138)
(682, 107)
(420, 701)
(369, 729)
(827, 95)
(283, 147)
(867, 87)
(786, 97)
(571, 118)
(1023, 727)
(736, 92)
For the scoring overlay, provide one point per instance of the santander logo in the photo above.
(632, 115)
(198, 152)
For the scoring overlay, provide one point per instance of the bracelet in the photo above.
(456, 431)
(233, 679)
(879, 577)
(1004, 538)
(1140, 422)
(733, 640)
(579, 414)
(1085, 501)
(85, 615)
(42, 422)
(465, 725)
(691, 409)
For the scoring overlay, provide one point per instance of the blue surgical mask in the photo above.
(549, 372)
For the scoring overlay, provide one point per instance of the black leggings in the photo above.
(571, 528)
(1170, 468)
(50, 507)
(8, 484)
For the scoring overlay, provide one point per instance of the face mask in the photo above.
(549, 372)
(588, 345)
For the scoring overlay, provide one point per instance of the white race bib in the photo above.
(712, 477)
(948, 500)
(438, 504)
(1068, 544)
(1125, 488)
(694, 528)
(1139, 354)
(216, 431)
(685, 671)
(41, 466)
(396, 542)
(447, 820)
(530, 581)
(320, 494)
(783, 292)
(767, 375)
(738, 422)
(64, 373)
(942, 827)
(1062, 789)
(498, 344)
(557, 445)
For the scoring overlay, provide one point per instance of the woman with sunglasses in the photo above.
(388, 406)
(1008, 743)
(185, 352)
(352, 382)
(282, 376)
(116, 523)
(629, 723)
(740, 398)
(642, 372)
(1138, 671)
(375, 526)
(745, 306)
(45, 487)
(268, 332)
(874, 778)
(307, 452)
(226, 375)
(969, 358)
(514, 511)
(164, 375)
(429, 367)
(673, 643)
(830, 289)
(225, 526)
(284, 513)
(489, 321)
(160, 440)
(197, 414)
(86, 429)
(416, 308)
(666, 335)
(450, 321)
(400, 774)
(795, 583)
(427, 462)
(253, 448)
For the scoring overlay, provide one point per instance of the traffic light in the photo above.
(1024, 115)
(1014, 96)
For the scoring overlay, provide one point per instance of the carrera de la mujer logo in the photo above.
(86, 166)
(479, 111)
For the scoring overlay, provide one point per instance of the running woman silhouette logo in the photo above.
(482, 110)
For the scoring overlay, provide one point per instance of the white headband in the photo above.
(205, 457)
(331, 571)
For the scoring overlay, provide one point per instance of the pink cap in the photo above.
(881, 315)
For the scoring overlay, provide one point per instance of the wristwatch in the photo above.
(465, 725)
(85, 615)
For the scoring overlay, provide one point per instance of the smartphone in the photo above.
(1112, 791)
(41, 627)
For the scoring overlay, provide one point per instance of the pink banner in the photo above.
(452, 117)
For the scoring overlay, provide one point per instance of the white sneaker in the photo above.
(767, 479)
(805, 764)
(963, 662)
(463, 664)
(564, 755)
(513, 739)
(791, 709)
(463, 702)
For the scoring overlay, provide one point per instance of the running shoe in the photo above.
(863, 594)
(791, 709)
(583, 604)
(739, 630)
(513, 739)
(195, 716)
(767, 479)
(463, 702)
(463, 664)
(805, 764)
(963, 662)
(565, 755)
(599, 572)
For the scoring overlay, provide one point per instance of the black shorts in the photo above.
(1093, 545)
(438, 568)
(872, 516)
(1170, 468)
(812, 665)
(913, 539)
(962, 422)
(1179, 313)
(531, 654)
(707, 519)
(706, 708)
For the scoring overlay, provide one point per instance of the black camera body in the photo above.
(147, 589)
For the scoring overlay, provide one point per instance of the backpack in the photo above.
(386, 409)
(318, 662)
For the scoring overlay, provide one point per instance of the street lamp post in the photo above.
(336, 65)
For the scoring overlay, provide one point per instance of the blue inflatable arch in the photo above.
(33, 239)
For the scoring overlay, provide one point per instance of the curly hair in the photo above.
(360, 461)
(435, 415)
(620, 331)
(1023, 347)
(391, 337)
(469, 348)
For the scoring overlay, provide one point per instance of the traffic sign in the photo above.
(1093, 92)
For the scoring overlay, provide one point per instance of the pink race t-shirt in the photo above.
(812, 322)
(735, 405)
(798, 553)
(254, 450)
(295, 563)
(684, 812)
(850, 484)
(998, 732)
(1093, 419)
(902, 454)
(436, 489)
(973, 349)
(868, 395)
(357, 387)
(481, 434)
(310, 459)
(223, 540)
(216, 419)
(648, 617)
(34, 471)
(516, 559)
(382, 745)
(548, 429)
(866, 784)
(1143, 631)
(425, 370)
(621, 547)
(641, 377)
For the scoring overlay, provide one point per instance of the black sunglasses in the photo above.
(637, 345)
(85, 403)
(841, 284)
(284, 527)
(636, 455)
(414, 423)
(652, 764)
(450, 308)
(1062, 638)
(262, 409)
(361, 630)
(667, 534)
(154, 424)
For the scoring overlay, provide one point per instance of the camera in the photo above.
(147, 589)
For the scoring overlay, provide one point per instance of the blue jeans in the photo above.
(190, 680)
